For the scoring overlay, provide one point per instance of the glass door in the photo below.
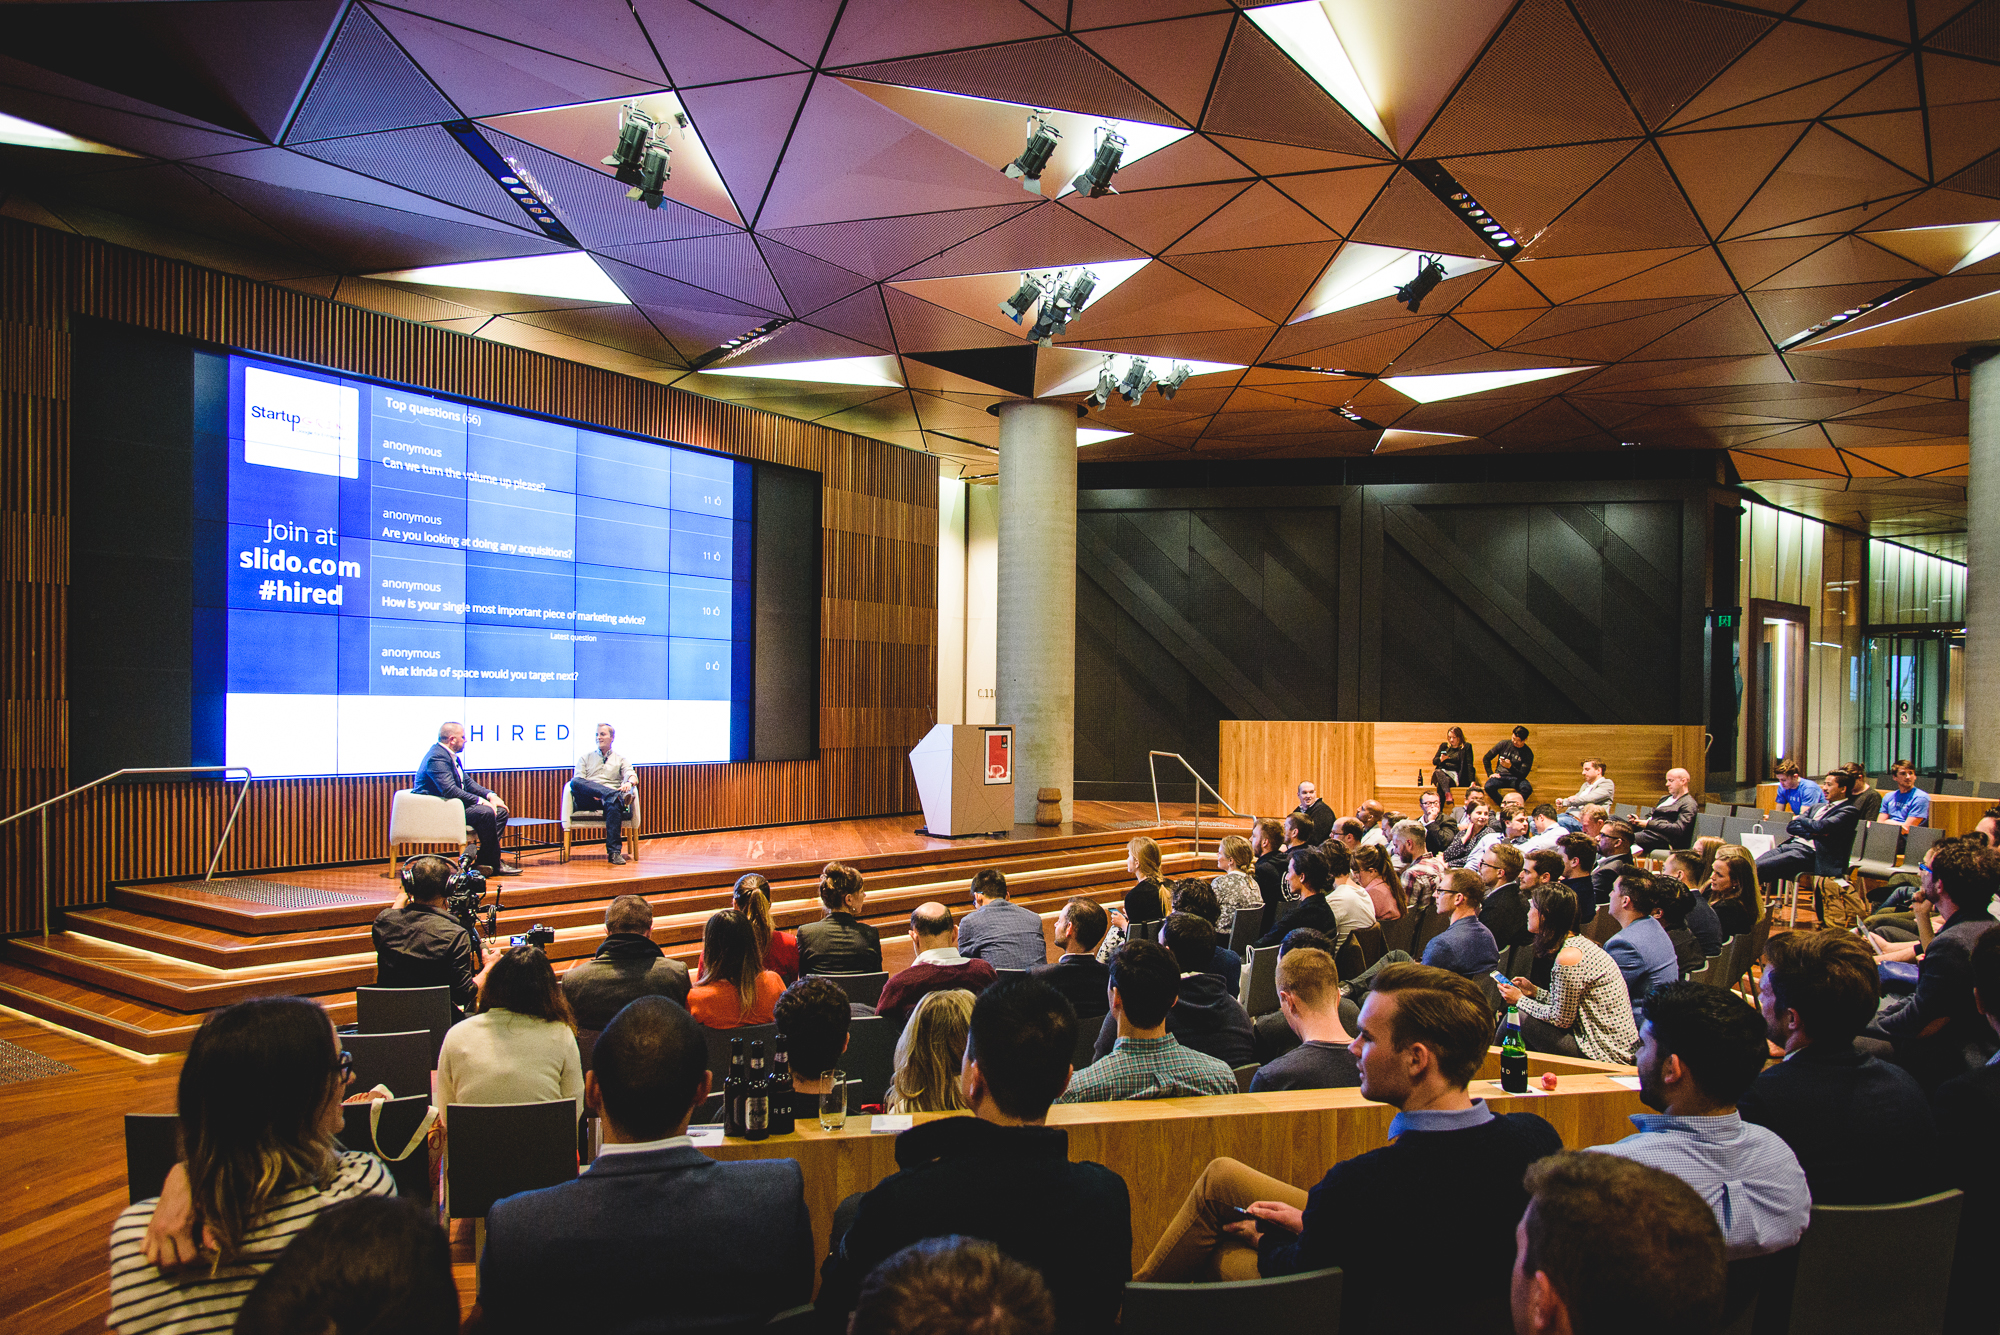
(1914, 702)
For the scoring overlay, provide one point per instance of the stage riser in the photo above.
(789, 881)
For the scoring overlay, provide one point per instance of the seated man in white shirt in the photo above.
(605, 781)
(1548, 829)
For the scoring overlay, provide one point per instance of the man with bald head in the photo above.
(1670, 824)
(938, 966)
(443, 775)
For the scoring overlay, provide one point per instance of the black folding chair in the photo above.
(1303, 1304)
(400, 1061)
(397, 1010)
(152, 1148)
(862, 988)
(870, 1060)
(496, 1150)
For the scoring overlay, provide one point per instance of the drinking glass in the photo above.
(833, 1103)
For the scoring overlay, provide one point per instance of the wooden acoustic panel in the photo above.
(878, 609)
(1262, 763)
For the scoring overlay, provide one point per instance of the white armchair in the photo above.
(419, 818)
(574, 822)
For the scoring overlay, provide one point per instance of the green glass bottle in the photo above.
(1513, 1055)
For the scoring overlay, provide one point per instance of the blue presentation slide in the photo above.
(395, 560)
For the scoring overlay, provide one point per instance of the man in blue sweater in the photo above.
(1642, 949)
(1422, 1036)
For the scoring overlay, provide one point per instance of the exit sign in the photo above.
(1724, 618)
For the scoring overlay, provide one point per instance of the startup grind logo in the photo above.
(301, 424)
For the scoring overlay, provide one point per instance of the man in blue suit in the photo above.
(655, 1235)
(441, 775)
(1642, 949)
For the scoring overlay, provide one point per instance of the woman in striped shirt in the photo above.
(260, 1100)
(1586, 1009)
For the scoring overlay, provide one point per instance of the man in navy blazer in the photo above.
(1642, 949)
(655, 1235)
(441, 775)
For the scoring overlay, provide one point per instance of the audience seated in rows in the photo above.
(1968, 1108)
(1642, 950)
(1686, 867)
(1450, 1163)
(1271, 1032)
(1198, 898)
(1235, 885)
(814, 1021)
(1699, 1050)
(1597, 789)
(732, 990)
(1316, 819)
(1268, 847)
(373, 1263)
(1614, 859)
(1796, 793)
(520, 1047)
(1609, 1246)
(840, 942)
(1818, 839)
(629, 965)
(952, 1285)
(1147, 900)
(1001, 1174)
(1309, 878)
(1205, 1016)
(1579, 858)
(998, 930)
(1585, 1008)
(777, 951)
(929, 1052)
(1147, 1062)
(653, 1220)
(1508, 763)
(259, 1099)
(1937, 1031)
(1906, 805)
(937, 966)
(1733, 890)
(1837, 1108)
(1465, 947)
(1077, 973)
(1309, 1002)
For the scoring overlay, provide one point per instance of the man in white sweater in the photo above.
(1597, 788)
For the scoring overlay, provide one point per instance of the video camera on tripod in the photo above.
(463, 895)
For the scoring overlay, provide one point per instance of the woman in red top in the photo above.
(778, 950)
(731, 990)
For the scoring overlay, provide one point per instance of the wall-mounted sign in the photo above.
(999, 755)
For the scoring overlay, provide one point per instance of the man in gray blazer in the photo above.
(654, 1235)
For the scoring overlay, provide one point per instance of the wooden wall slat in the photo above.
(878, 653)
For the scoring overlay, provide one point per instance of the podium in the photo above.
(965, 777)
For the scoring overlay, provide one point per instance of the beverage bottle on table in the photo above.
(780, 1082)
(732, 1091)
(1513, 1055)
(756, 1097)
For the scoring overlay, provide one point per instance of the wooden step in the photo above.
(122, 1021)
(365, 892)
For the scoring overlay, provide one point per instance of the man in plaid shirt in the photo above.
(1147, 1062)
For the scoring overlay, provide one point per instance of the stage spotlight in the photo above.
(1171, 382)
(1430, 272)
(1095, 180)
(655, 166)
(1016, 307)
(1107, 385)
(1042, 140)
(635, 127)
(1060, 305)
(1137, 376)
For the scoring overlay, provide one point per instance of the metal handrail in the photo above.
(1200, 783)
(43, 807)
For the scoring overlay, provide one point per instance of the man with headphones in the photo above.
(419, 944)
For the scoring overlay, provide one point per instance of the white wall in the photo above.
(951, 601)
(982, 600)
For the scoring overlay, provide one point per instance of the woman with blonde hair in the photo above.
(1732, 890)
(1374, 873)
(1147, 901)
(929, 1054)
(259, 1101)
(1236, 887)
(732, 989)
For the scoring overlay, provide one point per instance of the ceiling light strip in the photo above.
(741, 344)
(1839, 318)
(1477, 219)
(512, 177)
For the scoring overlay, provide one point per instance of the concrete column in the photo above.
(1982, 571)
(1036, 651)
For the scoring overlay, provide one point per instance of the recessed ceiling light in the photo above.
(14, 130)
(573, 275)
(833, 371)
(1092, 435)
(1432, 388)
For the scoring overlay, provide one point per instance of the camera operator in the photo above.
(420, 944)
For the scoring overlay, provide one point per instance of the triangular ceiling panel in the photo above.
(424, 159)
(1159, 299)
(743, 128)
(860, 316)
(1824, 174)
(367, 83)
(1637, 207)
(586, 133)
(923, 326)
(1728, 330)
(1896, 135)
(294, 171)
(1046, 236)
(1407, 216)
(729, 264)
(1525, 190)
(1698, 40)
(1506, 102)
(1260, 94)
(1721, 170)
(798, 27)
(486, 76)
(239, 64)
(647, 288)
(1010, 369)
(595, 207)
(595, 32)
(1053, 72)
(872, 30)
(1173, 61)
(1152, 220)
(884, 247)
(1848, 259)
(1267, 279)
(1894, 88)
(1337, 198)
(1260, 216)
(1790, 57)
(1191, 160)
(703, 48)
(887, 165)
(975, 296)
(807, 282)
